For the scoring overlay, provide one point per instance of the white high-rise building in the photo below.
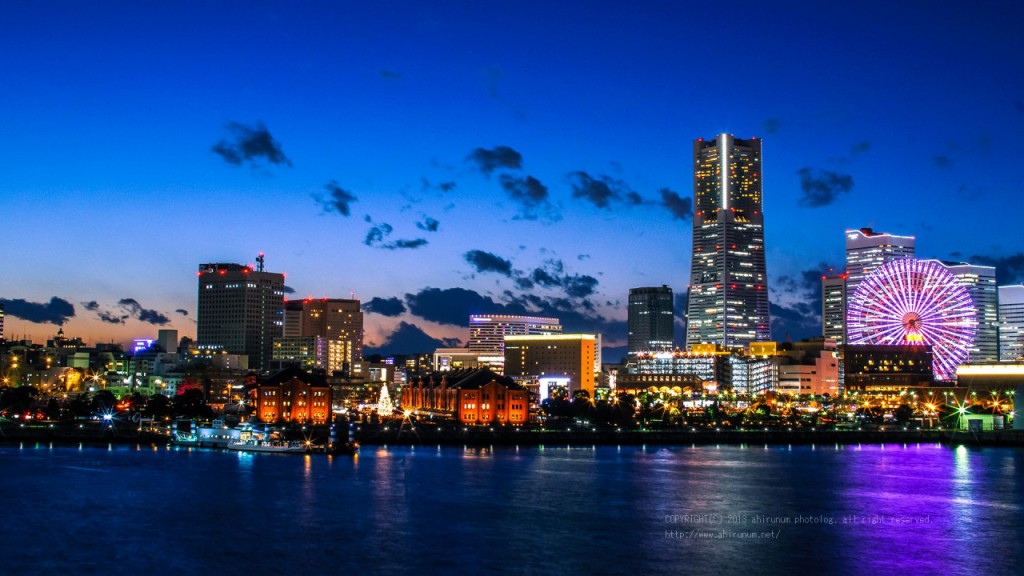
(980, 282)
(487, 331)
(867, 250)
(1011, 323)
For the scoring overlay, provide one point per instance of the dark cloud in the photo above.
(182, 311)
(428, 224)
(1009, 269)
(450, 306)
(860, 147)
(579, 286)
(385, 306)
(583, 257)
(427, 186)
(793, 323)
(91, 306)
(600, 191)
(453, 306)
(634, 199)
(801, 317)
(338, 200)
(132, 307)
(111, 317)
(942, 161)
(498, 157)
(411, 339)
(377, 233)
(56, 311)
(389, 74)
(487, 262)
(822, 187)
(531, 195)
(771, 125)
(288, 289)
(681, 208)
(410, 244)
(251, 144)
(542, 277)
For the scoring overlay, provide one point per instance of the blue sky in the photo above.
(536, 137)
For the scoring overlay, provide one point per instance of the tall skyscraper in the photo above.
(833, 307)
(651, 319)
(980, 282)
(867, 250)
(240, 310)
(1011, 323)
(334, 319)
(728, 302)
(487, 331)
(1, 321)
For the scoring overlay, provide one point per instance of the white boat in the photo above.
(267, 446)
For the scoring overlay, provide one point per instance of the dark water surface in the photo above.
(914, 509)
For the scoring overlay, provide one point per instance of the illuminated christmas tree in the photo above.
(384, 405)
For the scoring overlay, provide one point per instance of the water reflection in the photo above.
(560, 510)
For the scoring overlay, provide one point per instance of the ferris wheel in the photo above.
(915, 302)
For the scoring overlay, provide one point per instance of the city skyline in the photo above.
(437, 161)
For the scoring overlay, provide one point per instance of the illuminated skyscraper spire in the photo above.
(728, 302)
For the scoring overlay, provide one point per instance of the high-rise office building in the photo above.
(980, 282)
(867, 250)
(833, 307)
(1011, 323)
(651, 319)
(334, 319)
(487, 331)
(240, 310)
(1, 321)
(728, 301)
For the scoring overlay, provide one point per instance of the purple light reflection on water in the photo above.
(601, 510)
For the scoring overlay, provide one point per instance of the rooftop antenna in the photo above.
(352, 295)
(259, 262)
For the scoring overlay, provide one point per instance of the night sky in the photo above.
(445, 158)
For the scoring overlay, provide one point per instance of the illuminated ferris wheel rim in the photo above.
(911, 301)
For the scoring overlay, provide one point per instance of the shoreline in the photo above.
(474, 437)
(506, 437)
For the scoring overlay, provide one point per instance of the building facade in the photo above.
(240, 311)
(867, 250)
(651, 319)
(529, 358)
(310, 353)
(887, 369)
(980, 282)
(1011, 323)
(728, 292)
(809, 367)
(340, 321)
(293, 396)
(487, 331)
(833, 307)
(472, 397)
